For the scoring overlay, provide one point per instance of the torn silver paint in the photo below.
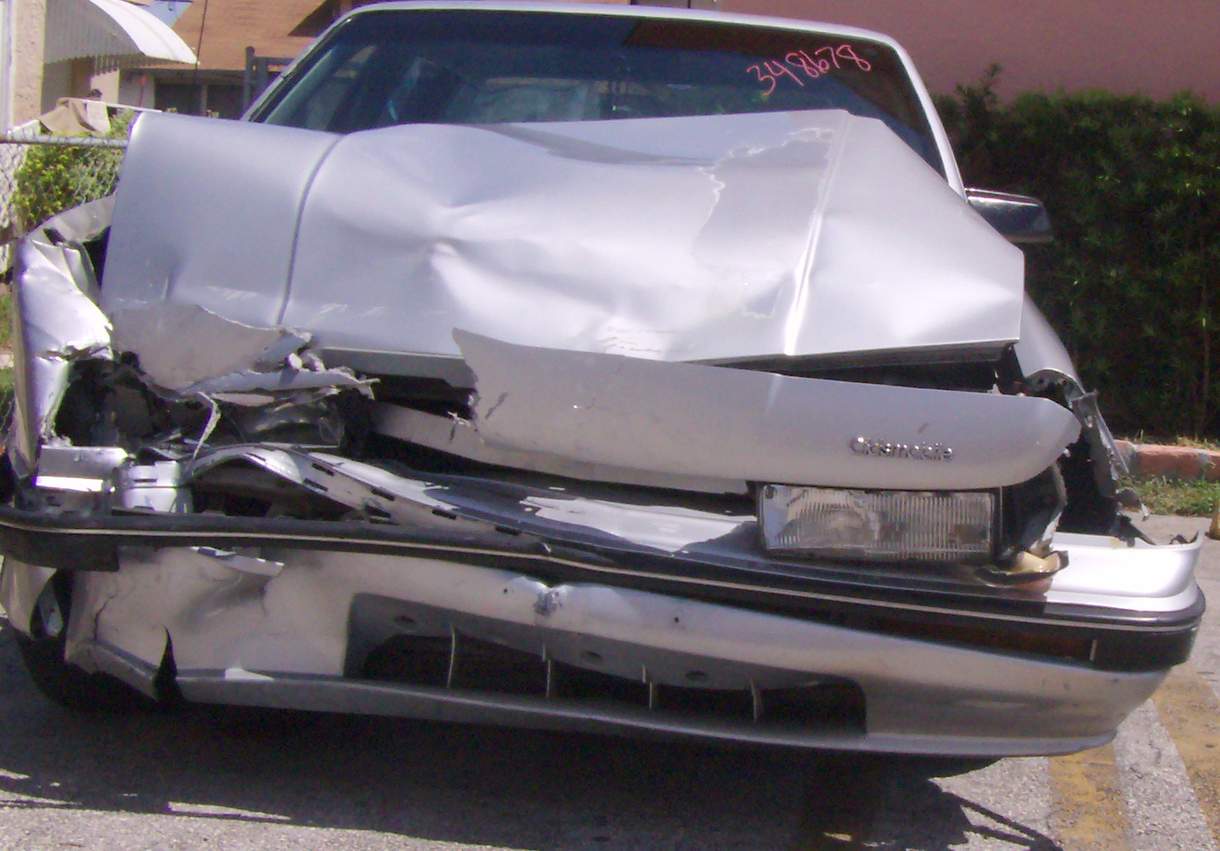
(191, 351)
(762, 235)
(57, 321)
(180, 345)
(679, 418)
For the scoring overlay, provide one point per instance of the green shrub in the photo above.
(56, 178)
(1131, 282)
(1171, 496)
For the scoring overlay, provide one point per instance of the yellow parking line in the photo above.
(1189, 710)
(1087, 805)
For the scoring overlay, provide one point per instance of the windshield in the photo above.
(486, 67)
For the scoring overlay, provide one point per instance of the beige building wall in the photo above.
(107, 82)
(27, 18)
(1126, 46)
(75, 78)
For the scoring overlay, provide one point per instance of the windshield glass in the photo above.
(485, 67)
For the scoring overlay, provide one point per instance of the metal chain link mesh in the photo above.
(41, 176)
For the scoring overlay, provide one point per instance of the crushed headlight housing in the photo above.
(885, 526)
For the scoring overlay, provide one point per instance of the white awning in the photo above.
(110, 29)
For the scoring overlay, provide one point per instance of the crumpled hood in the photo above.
(709, 238)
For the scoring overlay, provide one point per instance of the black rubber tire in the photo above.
(68, 685)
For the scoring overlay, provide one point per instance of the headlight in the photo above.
(878, 525)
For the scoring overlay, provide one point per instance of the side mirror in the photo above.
(1018, 218)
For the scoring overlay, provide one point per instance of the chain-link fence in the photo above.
(42, 175)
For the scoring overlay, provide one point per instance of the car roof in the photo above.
(659, 12)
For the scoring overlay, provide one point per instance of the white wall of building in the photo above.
(6, 63)
(56, 84)
(26, 24)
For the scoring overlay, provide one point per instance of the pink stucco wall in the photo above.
(1128, 46)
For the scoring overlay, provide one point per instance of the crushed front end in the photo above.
(754, 525)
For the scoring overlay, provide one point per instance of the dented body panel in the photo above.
(764, 235)
(55, 297)
(676, 418)
(509, 422)
(268, 634)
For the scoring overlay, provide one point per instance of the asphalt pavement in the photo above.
(205, 778)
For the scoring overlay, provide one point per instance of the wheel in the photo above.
(42, 652)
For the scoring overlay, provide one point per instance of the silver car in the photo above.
(606, 368)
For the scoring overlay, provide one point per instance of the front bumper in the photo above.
(487, 625)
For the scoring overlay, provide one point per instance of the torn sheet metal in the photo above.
(453, 503)
(689, 419)
(180, 345)
(490, 515)
(81, 469)
(1045, 364)
(57, 321)
(457, 502)
(1040, 353)
(378, 494)
(703, 238)
(153, 487)
(192, 351)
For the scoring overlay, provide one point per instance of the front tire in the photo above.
(42, 653)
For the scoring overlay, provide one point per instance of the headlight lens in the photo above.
(886, 526)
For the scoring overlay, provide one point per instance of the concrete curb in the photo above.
(1148, 460)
